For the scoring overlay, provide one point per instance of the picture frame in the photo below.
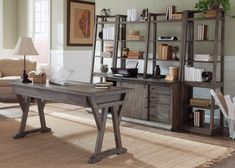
(80, 23)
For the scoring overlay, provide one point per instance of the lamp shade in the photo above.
(25, 46)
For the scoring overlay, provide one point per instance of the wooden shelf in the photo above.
(132, 40)
(168, 21)
(197, 130)
(204, 18)
(201, 107)
(104, 40)
(130, 58)
(208, 62)
(100, 74)
(100, 56)
(208, 41)
(164, 60)
(166, 41)
(204, 84)
(106, 22)
(133, 22)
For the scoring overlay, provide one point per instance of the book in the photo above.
(103, 85)
(200, 102)
(198, 118)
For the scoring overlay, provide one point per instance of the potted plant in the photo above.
(205, 5)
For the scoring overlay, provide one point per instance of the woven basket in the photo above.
(40, 79)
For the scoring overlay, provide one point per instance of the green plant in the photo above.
(203, 5)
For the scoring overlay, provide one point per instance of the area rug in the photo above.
(73, 139)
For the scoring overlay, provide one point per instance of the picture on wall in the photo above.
(80, 23)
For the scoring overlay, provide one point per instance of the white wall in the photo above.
(76, 60)
(1, 26)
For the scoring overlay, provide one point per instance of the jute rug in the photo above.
(72, 142)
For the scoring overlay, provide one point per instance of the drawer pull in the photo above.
(152, 106)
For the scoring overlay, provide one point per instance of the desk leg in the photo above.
(24, 104)
(41, 104)
(101, 123)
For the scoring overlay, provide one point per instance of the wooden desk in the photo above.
(100, 100)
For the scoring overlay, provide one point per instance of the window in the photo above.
(41, 29)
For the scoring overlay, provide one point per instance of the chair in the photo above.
(227, 107)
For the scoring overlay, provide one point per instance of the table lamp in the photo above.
(25, 47)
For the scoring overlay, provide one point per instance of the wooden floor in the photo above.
(220, 141)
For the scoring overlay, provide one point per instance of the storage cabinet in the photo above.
(160, 104)
(137, 101)
(154, 102)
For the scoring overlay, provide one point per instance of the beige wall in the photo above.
(10, 23)
(59, 26)
(120, 7)
(22, 18)
(14, 21)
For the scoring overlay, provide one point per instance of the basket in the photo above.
(40, 79)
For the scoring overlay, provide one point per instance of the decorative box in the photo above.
(40, 79)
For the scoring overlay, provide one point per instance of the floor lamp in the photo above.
(25, 47)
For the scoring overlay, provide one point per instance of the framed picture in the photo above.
(80, 23)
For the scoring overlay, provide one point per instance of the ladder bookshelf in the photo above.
(180, 107)
(216, 43)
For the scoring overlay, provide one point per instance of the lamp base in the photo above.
(25, 78)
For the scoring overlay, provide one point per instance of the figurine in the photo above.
(156, 72)
(104, 68)
(144, 14)
(175, 51)
(105, 12)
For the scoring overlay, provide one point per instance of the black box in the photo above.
(125, 72)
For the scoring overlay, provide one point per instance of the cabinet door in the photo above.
(136, 106)
(160, 104)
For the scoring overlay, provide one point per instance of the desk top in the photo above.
(84, 89)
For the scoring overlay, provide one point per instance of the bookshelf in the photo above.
(163, 102)
(215, 43)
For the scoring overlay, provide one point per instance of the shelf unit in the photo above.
(100, 23)
(178, 92)
(188, 87)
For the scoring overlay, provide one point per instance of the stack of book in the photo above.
(135, 35)
(170, 10)
(133, 15)
(130, 37)
(177, 16)
(200, 102)
(135, 54)
(164, 52)
(203, 57)
(198, 118)
(210, 13)
(108, 33)
(193, 74)
(202, 32)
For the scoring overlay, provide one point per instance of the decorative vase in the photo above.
(156, 72)
(104, 68)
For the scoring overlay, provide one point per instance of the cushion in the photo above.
(14, 67)
(5, 91)
(4, 81)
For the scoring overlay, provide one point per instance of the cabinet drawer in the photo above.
(163, 90)
(160, 113)
(159, 99)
